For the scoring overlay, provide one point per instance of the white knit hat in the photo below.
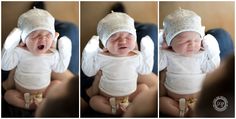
(113, 23)
(180, 21)
(35, 19)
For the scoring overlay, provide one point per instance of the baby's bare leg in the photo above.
(169, 106)
(15, 98)
(100, 104)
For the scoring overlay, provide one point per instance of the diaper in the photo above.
(184, 83)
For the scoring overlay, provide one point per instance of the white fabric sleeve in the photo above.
(12, 39)
(89, 55)
(9, 56)
(147, 51)
(162, 60)
(10, 59)
(212, 49)
(65, 49)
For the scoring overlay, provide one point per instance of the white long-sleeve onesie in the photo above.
(119, 74)
(32, 72)
(185, 74)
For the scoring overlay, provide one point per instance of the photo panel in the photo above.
(105, 72)
(40, 59)
(196, 59)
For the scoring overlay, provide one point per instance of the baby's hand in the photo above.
(64, 46)
(13, 39)
(65, 50)
(147, 44)
(147, 51)
(211, 46)
(93, 45)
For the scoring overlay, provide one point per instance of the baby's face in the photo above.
(39, 41)
(186, 43)
(121, 43)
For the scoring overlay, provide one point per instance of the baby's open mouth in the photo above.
(122, 47)
(40, 47)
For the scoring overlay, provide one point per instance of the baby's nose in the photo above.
(191, 43)
(122, 40)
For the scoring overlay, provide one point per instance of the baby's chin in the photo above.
(123, 54)
(39, 51)
(188, 54)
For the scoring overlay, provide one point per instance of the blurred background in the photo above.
(62, 11)
(214, 14)
(93, 12)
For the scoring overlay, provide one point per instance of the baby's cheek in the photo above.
(51, 44)
(179, 47)
(30, 45)
(133, 44)
(198, 46)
